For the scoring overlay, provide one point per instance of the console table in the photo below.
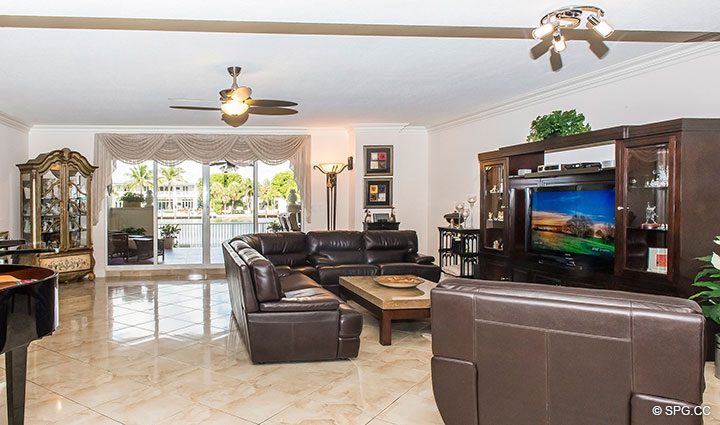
(382, 225)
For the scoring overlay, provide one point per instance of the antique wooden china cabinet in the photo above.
(55, 210)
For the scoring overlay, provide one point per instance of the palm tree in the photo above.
(170, 176)
(141, 177)
(266, 194)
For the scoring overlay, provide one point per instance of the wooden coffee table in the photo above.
(388, 304)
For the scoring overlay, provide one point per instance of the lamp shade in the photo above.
(234, 107)
(330, 167)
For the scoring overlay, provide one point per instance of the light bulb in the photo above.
(600, 26)
(234, 107)
(559, 42)
(543, 30)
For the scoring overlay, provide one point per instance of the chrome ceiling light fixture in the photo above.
(570, 17)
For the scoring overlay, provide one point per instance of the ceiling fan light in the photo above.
(600, 26)
(543, 30)
(559, 43)
(234, 107)
(241, 93)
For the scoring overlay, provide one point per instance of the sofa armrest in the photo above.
(420, 258)
(319, 302)
(283, 270)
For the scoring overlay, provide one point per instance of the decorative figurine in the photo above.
(149, 198)
(494, 189)
(650, 218)
(460, 207)
(367, 216)
(500, 216)
(393, 219)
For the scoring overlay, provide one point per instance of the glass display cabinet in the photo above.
(493, 203)
(646, 206)
(55, 211)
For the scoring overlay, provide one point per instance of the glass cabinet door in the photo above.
(646, 206)
(27, 207)
(51, 206)
(493, 210)
(77, 209)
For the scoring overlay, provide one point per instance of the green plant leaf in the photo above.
(712, 312)
(710, 285)
(707, 272)
(705, 259)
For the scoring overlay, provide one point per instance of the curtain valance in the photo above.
(171, 149)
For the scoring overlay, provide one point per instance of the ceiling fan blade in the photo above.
(269, 103)
(235, 120)
(261, 110)
(196, 108)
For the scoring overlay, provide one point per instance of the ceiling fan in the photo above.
(237, 105)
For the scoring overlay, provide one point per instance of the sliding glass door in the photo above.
(181, 214)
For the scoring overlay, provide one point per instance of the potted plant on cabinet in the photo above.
(709, 299)
(557, 123)
(170, 233)
(132, 200)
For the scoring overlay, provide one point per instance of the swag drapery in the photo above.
(171, 149)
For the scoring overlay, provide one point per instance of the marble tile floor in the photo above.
(166, 352)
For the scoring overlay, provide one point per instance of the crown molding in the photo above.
(640, 65)
(13, 122)
(376, 127)
(159, 129)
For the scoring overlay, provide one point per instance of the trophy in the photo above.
(650, 217)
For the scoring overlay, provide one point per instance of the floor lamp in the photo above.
(331, 170)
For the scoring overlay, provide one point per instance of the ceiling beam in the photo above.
(366, 30)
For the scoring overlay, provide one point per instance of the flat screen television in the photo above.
(573, 220)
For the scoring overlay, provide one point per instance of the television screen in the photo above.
(573, 221)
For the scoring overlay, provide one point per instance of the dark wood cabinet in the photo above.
(666, 211)
(381, 225)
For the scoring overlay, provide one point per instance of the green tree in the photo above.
(229, 189)
(141, 179)
(266, 195)
(282, 182)
(171, 176)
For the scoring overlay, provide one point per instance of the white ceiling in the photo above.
(102, 77)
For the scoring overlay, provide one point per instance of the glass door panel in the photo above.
(647, 207)
(51, 206)
(493, 205)
(77, 209)
(278, 198)
(27, 207)
(232, 205)
(131, 236)
(179, 213)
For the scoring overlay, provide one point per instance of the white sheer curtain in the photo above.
(170, 149)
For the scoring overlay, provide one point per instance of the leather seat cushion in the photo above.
(330, 275)
(426, 271)
(296, 281)
(335, 247)
(309, 299)
(308, 271)
(389, 246)
(283, 248)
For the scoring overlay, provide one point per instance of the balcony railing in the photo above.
(191, 233)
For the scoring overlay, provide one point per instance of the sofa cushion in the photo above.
(330, 275)
(389, 246)
(311, 299)
(426, 271)
(264, 276)
(296, 281)
(335, 247)
(309, 271)
(283, 248)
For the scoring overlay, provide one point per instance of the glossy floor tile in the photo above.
(154, 351)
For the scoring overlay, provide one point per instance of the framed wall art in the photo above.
(378, 193)
(378, 160)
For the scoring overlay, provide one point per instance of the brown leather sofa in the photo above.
(284, 315)
(327, 255)
(515, 353)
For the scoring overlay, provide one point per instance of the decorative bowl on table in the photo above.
(403, 281)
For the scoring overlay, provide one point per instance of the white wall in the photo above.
(410, 176)
(14, 146)
(328, 145)
(649, 91)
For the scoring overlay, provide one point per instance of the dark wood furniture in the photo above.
(28, 311)
(459, 252)
(686, 207)
(381, 225)
(387, 304)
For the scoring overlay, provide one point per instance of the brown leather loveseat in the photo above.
(284, 315)
(516, 353)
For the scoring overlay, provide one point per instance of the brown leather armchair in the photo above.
(516, 353)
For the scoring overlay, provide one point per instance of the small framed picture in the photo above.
(378, 193)
(378, 160)
(381, 217)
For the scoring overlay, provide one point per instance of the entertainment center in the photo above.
(638, 226)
